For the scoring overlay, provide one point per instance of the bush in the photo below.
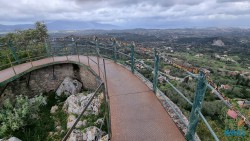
(18, 113)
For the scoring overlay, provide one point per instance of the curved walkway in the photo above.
(136, 113)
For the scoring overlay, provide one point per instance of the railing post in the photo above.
(53, 54)
(198, 99)
(88, 60)
(105, 77)
(67, 54)
(132, 58)
(29, 58)
(156, 68)
(46, 47)
(98, 65)
(107, 100)
(13, 51)
(88, 57)
(115, 50)
(97, 45)
(11, 64)
(77, 48)
(66, 48)
(97, 50)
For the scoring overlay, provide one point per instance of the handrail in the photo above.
(93, 52)
(183, 96)
(147, 66)
(122, 53)
(189, 102)
(180, 93)
(208, 126)
(164, 96)
(92, 60)
(219, 95)
(227, 103)
(107, 48)
(166, 100)
(85, 108)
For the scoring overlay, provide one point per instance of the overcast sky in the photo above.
(130, 13)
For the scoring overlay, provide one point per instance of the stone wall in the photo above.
(49, 79)
(88, 79)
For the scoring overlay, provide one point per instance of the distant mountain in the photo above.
(61, 25)
(78, 25)
(7, 28)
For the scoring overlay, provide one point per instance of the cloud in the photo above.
(128, 13)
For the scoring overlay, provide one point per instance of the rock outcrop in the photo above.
(71, 121)
(76, 103)
(92, 133)
(89, 134)
(73, 106)
(69, 87)
(76, 135)
(81, 124)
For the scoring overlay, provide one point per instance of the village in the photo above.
(241, 74)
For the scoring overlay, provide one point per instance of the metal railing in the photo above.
(52, 53)
(127, 60)
(100, 87)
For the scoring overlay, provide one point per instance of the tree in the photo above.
(42, 32)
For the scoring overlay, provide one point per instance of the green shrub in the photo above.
(19, 112)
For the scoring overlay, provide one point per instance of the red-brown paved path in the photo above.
(136, 113)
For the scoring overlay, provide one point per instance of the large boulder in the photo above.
(76, 103)
(69, 87)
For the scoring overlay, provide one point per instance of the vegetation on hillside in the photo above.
(20, 46)
(22, 38)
